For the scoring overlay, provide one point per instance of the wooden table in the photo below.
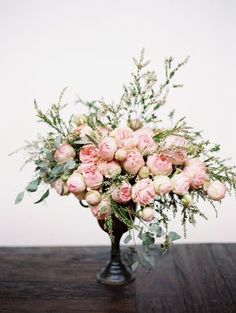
(190, 278)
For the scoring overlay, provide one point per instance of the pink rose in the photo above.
(162, 184)
(180, 183)
(76, 183)
(60, 187)
(175, 148)
(159, 165)
(93, 197)
(196, 170)
(65, 153)
(216, 190)
(107, 148)
(122, 194)
(133, 162)
(143, 192)
(84, 130)
(89, 154)
(125, 138)
(103, 210)
(147, 214)
(146, 144)
(92, 176)
(109, 168)
(144, 131)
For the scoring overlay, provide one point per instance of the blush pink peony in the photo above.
(216, 190)
(159, 165)
(196, 170)
(107, 147)
(103, 210)
(109, 169)
(133, 162)
(60, 187)
(143, 192)
(180, 183)
(125, 138)
(89, 154)
(76, 183)
(65, 153)
(146, 144)
(162, 184)
(122, 194)
(175, 148)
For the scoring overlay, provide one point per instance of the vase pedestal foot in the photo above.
(115, 274)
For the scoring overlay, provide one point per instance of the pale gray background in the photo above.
(87, 46)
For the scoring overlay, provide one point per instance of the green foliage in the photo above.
(33, 185)
(19, 197)
(44, 196)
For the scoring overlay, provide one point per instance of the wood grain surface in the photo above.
(190, 278)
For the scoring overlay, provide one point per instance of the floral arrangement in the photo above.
(120, 156)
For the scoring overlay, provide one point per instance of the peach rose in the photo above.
(109, 168)
(76, 183)
(175, 148)
(143, 192)
(162, 184)
(65, 153)
(144, 131)
(196, 170)
(107, 147)
(84, 130)
(180, 183)
(92, 176)
(103, 210)
(89, 154)
(146, 144)
(125, 138)
(133, 162)
(159, 165)
(93, 197)
(216, 190)
(122, 194)
(147, 214)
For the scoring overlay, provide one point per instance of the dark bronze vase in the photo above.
(115, 272)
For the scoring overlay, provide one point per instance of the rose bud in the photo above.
(162, 184)
(187, 200)
(93, 197)
(144, 172)
(147, 214)
(216, 190)
(76, 183)
(60, 187)
(107, 147)
(135, 124)
(65, 153)
(121, 155)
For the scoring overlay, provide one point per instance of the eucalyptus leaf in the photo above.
(19, 197)
(69, 165)
(33, 185)
(57, 170)
(44, 196)
(173, 236)
(128, 238)
(149, 259)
